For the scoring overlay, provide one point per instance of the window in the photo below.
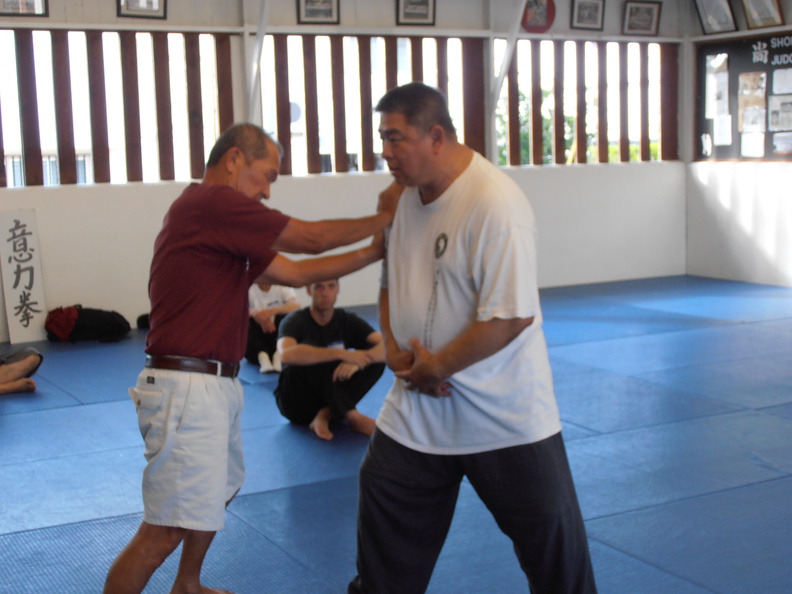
(148, 106)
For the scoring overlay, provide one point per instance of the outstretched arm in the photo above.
(315, 237)
(298, 273)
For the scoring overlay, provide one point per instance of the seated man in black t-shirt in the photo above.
(331, 359)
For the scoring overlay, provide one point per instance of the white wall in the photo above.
(740, 222)
(596, 223)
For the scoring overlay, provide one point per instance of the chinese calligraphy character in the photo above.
(760, 52)
(25, 310)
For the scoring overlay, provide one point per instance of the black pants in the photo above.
(303, 390)
(258, 340)
(407, 502)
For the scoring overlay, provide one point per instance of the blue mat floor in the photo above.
(676, 398)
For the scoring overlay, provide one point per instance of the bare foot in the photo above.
(360, 422)
(18, 369)
(25, 384)
(321, 424)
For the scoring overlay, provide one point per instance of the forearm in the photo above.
(477, 342)
(395, 358)
(298, 273)
(315, 237)
(306, 354)
(377, 352)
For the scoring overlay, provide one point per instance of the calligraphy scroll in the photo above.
(23, 284)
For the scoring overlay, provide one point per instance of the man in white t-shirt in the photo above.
(473, 395)
(267, 305)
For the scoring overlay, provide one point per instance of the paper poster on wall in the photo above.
(782, 81)
(751, 102)
(780, 108)
(752, 145)
(23, 283)
(722, 130)
(717, 86)
(782, 143)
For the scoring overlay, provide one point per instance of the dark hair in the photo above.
(422, 106)
(249, 138)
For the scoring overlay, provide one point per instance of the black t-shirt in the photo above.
(345, 330)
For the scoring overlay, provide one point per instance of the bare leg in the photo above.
(188, 579)
(135, 565)
(360, 422)
(25, 384)
(321, 424)
(18, 369)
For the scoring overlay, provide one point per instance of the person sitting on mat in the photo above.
(269, 304)
(331, 359)
(16, 370)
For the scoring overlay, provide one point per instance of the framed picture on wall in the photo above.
(762, 13)
(147, 9)
(587, 14)
(25, 8)
(318, 12)
(415, 12)
(641, 18)
(716, 16)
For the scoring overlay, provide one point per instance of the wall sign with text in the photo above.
(23, 283)
(744, 99)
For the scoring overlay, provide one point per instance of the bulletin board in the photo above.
(744, 99)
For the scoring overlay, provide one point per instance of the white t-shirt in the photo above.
(277, 295)
(469, 256)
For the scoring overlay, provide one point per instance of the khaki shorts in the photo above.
(190, 423)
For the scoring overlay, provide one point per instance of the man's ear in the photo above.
(231, 159)
(437, 134)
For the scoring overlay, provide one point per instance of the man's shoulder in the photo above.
(298, 316)
(350, 317)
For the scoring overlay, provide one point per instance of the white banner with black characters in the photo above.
(23, 283)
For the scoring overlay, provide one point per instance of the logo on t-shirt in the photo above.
(441, 243)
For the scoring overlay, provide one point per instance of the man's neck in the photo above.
(458, 160)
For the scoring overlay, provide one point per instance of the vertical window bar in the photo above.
(64, 117)
(602, 103)
(192, 58)
(416, 52)
(311, 105)
(513, 106)
(473, 93)
(225, 85)
(581, 137)
(131, 91)
(283, 100)
(163, 99)
(559, 139)
(28, 107)
(669, 89)
(644, 76)
(624, 112)
(537, 135)
(98, 104)
(366, 104)
(442, 65)
(391, 62)
(339, 114)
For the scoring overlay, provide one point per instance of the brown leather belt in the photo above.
(191, 364)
